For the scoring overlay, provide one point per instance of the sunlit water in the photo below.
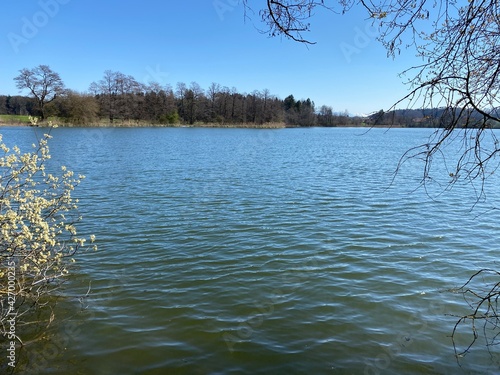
(233, 251)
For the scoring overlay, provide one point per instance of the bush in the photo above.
(170, 118)
(38, 235)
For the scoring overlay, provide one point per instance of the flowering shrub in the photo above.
(38, 236)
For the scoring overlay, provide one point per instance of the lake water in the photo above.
(244, 251)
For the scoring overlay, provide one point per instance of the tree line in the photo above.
(118, 98)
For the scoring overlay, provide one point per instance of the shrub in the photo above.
(38, 236)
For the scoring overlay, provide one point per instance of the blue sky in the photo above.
(203, 41)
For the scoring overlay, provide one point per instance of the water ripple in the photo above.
(258, 252)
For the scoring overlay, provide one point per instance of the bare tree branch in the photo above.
(44, 84)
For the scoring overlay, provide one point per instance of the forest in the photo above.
(119, 99)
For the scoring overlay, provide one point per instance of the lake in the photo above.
(246, 251)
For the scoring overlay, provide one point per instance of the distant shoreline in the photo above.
(214, 126)
(206, 126)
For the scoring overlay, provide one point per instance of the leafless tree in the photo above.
(459, 73)
(181, 95)
(459, 46)
(44, 84)
(119, 95)
(106, 89)
(213, 92)
(289, 18)
(194, 100)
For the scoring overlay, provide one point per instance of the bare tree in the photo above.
(130, 96)
(120, 95)
(459, 46)
(44, 84)
(213, 92)
(289, 18)
(266, 97)
(106, 90)
(460, 71)
(193, 99)
(325, 116)
(181, 95)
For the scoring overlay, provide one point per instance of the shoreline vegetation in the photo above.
(13, 120)
(410, 118)
(207, 126)
(118, 100)
(24, 121)
(19, 120)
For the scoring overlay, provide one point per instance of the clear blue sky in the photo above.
(193, 40)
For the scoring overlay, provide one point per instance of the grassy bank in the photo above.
(15, 120)
(7, 120)
(135, 123)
